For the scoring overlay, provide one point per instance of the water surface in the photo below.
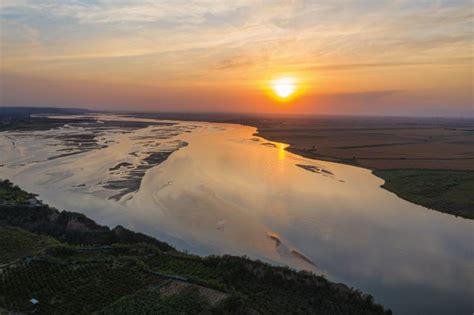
(228, 191)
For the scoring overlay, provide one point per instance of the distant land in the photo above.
(427, 161)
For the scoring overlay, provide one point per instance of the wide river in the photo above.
(229, 192)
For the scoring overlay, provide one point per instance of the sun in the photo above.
(284, 87)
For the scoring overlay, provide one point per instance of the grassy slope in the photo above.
(121, 274)
(443, 190)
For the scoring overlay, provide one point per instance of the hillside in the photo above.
(69, 264)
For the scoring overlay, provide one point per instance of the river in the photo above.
(222, 190)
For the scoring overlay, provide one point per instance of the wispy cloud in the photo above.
(235, 42)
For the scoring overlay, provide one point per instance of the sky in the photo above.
(373, 57)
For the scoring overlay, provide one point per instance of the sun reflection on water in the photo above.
(281, 151)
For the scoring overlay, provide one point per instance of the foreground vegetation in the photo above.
(443, 190)
(71, 265)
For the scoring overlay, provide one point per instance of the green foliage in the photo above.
(10, 193)
(443, 190)
(67, 288)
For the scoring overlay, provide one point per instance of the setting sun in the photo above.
(284, 87)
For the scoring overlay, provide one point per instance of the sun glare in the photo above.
(284, 87)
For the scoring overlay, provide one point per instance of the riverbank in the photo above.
(429, 162)
(449, 191)
(63, 262)
(400, 144)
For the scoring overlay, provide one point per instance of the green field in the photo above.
(443, 190)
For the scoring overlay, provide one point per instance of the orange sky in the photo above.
(349, 57)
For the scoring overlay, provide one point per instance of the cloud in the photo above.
(466, 61)
(404, 44)
(97, 12)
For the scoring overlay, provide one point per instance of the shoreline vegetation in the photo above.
(422, 161)
(63, 262)
(443, 190)
(448, 191)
